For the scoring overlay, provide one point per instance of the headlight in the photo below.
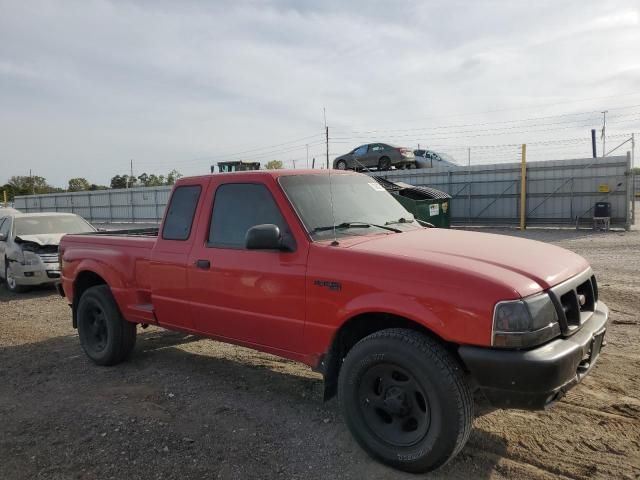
(525, 323)
(30, 258)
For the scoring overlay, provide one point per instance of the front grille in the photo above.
(49, 257)
(575, 300)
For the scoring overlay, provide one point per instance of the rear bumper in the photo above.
(535, 378)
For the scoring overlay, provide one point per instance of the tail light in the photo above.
(405, 152)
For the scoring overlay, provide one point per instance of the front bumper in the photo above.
(533, 379)
(40, 274)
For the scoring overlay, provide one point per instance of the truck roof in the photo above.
(271, 173)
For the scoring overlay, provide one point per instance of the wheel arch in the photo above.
(84, 280)
(358, 327)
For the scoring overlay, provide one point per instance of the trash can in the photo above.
(425, 203)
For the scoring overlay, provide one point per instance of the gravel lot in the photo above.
(183, 407)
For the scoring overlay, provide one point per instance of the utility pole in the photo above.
(326, 132)
(633, 150)
(130, 182)
(33, 185)
(604, 127)
(294, 164)
(307, 145)
(313, 163)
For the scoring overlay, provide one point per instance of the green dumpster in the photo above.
(425, 203)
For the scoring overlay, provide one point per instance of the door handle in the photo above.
(203, 264)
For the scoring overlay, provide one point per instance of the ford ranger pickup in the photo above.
(407, 324)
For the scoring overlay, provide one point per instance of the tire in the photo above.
(384, 163)
(341, 165)
(405, 400)
(105, 337)
(12, 286)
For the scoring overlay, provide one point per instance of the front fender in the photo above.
(391, 303)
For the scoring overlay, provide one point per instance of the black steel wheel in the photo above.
(97, 335)
(105, 337)
(394, 404)
(384, 163)
(405, 399)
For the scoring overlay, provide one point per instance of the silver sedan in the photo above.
(29, 247)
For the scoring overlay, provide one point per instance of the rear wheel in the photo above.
(341, 165)
(384, 163)
(10, 279)
(105, 336)
(405, 400)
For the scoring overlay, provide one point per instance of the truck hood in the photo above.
(42, 239)
(545, 264)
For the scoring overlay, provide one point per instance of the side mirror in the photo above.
(264, 237)
(3, 237)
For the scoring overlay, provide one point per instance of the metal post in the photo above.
(327, 136)
(633, 178)
(469, 184)
(155, 203)
(90, 206)
(523, 188)
(571, 202)
(110, 207)
(133, 215)
(604, 131)
(630, 200)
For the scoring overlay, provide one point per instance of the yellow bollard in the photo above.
(523, 189)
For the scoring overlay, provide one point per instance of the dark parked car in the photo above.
(376, 155)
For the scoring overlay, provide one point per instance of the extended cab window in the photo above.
(177, 224)
(236, 208)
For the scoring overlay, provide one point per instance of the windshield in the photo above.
(357, 200)
(445, 156)
(51, 224)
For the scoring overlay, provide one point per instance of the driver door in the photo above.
(252, 296)
(360, 157)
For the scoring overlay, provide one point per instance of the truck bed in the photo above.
(124, 256)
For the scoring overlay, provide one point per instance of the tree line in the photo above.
(36, 185)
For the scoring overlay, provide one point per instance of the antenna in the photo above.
(333, 214)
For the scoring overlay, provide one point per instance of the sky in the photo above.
(88, 86)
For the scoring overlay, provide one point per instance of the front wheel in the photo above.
(10, 279)
(341, 165)
(105, 336)
(405, 399)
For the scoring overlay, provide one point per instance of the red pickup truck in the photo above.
(405, 323)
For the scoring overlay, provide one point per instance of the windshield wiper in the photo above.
(400, 220)
(345, 225)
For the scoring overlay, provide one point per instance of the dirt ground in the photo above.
(183, 407)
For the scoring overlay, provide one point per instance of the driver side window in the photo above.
(236, 208)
